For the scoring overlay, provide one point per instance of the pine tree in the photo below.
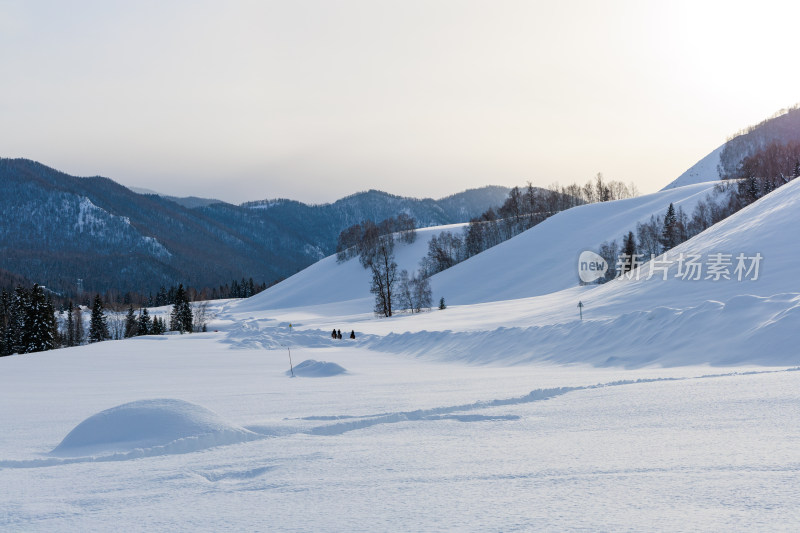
(145, 327)
(181, 316)
(161, 297)
(131, 323)
(5, 302)
(629, 252)
(158, 326)
(39, 322)
(98, 328)
(251, 287)
(16, 320)
(669, 233)
(442, 305)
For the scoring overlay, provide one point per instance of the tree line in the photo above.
(29, 322)
(374, 243)
(360, 239)
(522, 210)
(244, 288)
(756, 176)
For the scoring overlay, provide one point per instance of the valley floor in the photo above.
(400, 443)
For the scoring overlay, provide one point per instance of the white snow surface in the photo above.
(702, 171)
(672, 405)
(149, 424)
(316, 369)
(397, 444)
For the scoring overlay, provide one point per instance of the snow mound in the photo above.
(166, 425)
(317, 369)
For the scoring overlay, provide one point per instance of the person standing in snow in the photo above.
(353, 334)
(339, 334)
(333, 333)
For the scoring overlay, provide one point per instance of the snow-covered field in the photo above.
(393, 444)
(673, 405)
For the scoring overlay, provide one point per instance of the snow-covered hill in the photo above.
(518, 301)
(702, 171)
(647, 321)
(331, 282)
(542, 260)
(539, 261)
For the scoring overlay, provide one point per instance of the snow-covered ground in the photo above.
(394, 444)
(672, 405)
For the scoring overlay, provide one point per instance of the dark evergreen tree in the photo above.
(161, 297)
(629, 252)
(98, 327)
(235, 291)
(171, 295)
(669, 233)
(181, 316)
(16, 320)
(145, 326)
(39, 322)
(159, 328)
(251, 287)
(131, 323)
(442, 305)
(5, 303)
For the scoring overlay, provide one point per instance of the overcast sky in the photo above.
(317, 99)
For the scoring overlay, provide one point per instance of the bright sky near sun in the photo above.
(317, 99)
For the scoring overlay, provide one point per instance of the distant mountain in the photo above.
(783, 127)
(57, 228)
(186, 201)
(191, 202)
(323, 223)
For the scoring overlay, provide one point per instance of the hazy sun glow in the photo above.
(314, 99)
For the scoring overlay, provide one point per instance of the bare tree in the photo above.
(202, 316)
(384, 275)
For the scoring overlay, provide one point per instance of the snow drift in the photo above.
(172, 426)
(317, 369)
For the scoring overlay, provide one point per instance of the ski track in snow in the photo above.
(353, 423)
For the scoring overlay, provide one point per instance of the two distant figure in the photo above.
(337, 334)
